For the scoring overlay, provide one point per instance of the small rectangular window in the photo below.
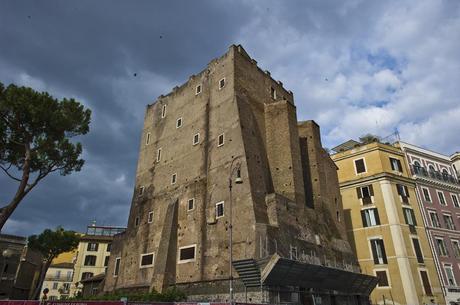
(442, 250)
(106, 261)
(163, 111)
(426, 282)
(382, 278)
(220, 140)
(179, 123)
(273, 93)
(159, 155)
(191, 204)
(116, 270)
(403, 191)
(198, 90)
(370, 217)
(146, 260)
(365, 193)
(109, 247)
(455, 200)
(426, 194)
(136, 221)
(293, 254)
(456, 248)
(220, 209)
(196, 139)
(409, 216)
(434, 219)
(442, 199)
(360, 166)
(187, 254)
(378, 251)
(449, 221)
(141, 190)
(90, 260)
(92, 247)
(418, 250)
(396, 165)
(150, 219)
(147, 139)
(221, 83)
(173, 178)
(450, 274)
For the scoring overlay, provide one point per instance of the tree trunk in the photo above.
(45, 265)
(6, 211)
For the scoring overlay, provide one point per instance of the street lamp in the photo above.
(6, 254)
(238, 180)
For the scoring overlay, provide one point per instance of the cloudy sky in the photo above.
(354, 67)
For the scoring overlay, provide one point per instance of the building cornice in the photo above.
(377, 177)
(366, 149)
(425, 152)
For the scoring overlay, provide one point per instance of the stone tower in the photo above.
(234, 120)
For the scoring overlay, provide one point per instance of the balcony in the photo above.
(55, 278)
(421, 171)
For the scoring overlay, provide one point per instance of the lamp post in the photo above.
(6, 254)
(238, 180)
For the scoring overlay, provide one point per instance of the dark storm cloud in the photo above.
(116, 57)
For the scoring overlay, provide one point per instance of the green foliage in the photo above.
(52, 243)
(369, 138)
(172, 294)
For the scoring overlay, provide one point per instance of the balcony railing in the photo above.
(433, 174)
(58, 278)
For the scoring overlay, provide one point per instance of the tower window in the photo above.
(220, 209)
(187, 254)
(360, 166)
(198, 90)
(141, 190)
(179, 123)
(220, 140)
(146, 260)
(196, 139)
(273, 93)
(173, 178)
(163, 111)
(158, 154)
(116, 270)
(221, 83)
(190, 204)
(150, 219)
(136, 221)
(147, 139)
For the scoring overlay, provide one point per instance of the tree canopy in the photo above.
(35, 138)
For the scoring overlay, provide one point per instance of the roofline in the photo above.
(424, 151)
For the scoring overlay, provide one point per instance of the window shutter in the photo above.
(383, 251)
(392, 164)
(406, 191)
(418, 251)
(426, 282)
(377, 218)
(399, 165)
(405, 216)
(374, 251)
(363, 217)
(413, 217)
(371, 190)
(358, 191)
(398, 187)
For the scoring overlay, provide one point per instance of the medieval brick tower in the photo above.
(233, 122)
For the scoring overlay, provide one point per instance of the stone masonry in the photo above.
(232, 115)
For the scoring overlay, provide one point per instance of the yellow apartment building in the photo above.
(385, 225)
(92, 254)
(59, 276)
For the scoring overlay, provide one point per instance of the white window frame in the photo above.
(220, 82)
(431, 219)
(223, 209)
(374, 211)
(428, 192)
(365, 166)
(451, 218)
(117, 260)
(439, 198)
(445, 247)
(452, 241)
(193, 140)
(147, 138)
(174, 178)
(452, 195)
(189, 260)
(198, 89)
(188, 204)
(150, 217)
(163, 111)
(141, 191)
(370, 239)
(451, 267)
(179, 120)
(388, 277)
(159, 154)
(223, 140)
(146, 266)
(273, 93)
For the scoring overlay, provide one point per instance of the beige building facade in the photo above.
(230, 191)
(385, 225)
(92, 254)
